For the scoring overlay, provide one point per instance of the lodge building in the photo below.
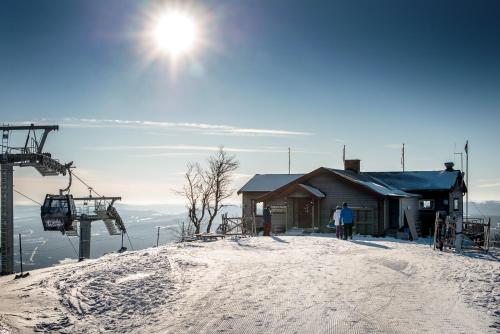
(379, 199)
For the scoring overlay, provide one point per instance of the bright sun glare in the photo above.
(175, 33)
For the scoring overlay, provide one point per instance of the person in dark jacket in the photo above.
(346, 219)
(266, 215)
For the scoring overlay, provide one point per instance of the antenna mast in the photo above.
(467, 179)
(403, 157)
(289, 160)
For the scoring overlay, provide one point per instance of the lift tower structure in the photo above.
(101, 209)
(29, 155)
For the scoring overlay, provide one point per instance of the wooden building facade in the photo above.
(306, 201)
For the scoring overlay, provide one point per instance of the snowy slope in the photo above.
(313, 284)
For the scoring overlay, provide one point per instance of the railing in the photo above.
(477, 230)
(474, 230)
(236, 226)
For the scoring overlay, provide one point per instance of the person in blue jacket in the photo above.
(346, 218)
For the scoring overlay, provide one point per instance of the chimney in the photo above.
(353, 165)
(449, 166)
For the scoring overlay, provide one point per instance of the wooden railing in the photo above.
(236, 226)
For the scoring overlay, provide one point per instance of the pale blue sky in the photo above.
(370, 75)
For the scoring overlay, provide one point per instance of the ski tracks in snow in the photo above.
(303, 284)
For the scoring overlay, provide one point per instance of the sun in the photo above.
(175, 33)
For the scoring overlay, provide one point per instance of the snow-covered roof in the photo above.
(314, 191)
(420, 180)
(371, 183)
(268, 182)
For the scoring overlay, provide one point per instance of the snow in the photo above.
(282, 284)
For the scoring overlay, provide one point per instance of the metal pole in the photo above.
(21, 254)
(403, 157)
(158, 236)
(467, 179)
(289, 160)
(122, 240)
(7, 220)
(85, 233)
(461, 160)
(458, 234)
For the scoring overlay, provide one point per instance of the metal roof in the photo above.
(268, 182)
(371, 183)
(397, 184)
(419, 180)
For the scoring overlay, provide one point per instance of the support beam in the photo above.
(28, 127)
(85, 233)
(42, 141)
(7, 220)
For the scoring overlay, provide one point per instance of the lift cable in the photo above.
(73, 246)
(130, 242)
(95, 192)
(86, 184)
(31, 199)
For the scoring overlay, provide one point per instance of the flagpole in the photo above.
(403, 157)
(289, 159)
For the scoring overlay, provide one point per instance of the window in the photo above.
(259, 208)
(456, 204)
(426, 204)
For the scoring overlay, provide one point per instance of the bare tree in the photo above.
(197, 195)
(217, 180)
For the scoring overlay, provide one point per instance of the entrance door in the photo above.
(304, 212)
(394, 213)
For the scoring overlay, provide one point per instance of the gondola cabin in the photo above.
(58, 213)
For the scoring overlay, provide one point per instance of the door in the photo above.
(304, 210)
(394, 213)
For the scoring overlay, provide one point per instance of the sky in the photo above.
(264, 76)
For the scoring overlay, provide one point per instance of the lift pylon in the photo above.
(29, 155)
(102, 209)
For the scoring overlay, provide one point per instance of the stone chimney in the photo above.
(353, 165)
(449, 166)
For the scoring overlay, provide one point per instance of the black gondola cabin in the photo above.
(58, 213)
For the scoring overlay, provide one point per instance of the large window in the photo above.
(426, 204)
(259, 208)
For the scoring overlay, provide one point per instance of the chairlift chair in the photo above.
(58, 213)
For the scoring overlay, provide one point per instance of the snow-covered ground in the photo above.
(286, 284)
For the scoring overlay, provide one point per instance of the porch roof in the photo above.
(268, 182)
(291, 187)
(313, 191)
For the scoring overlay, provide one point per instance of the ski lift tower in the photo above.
(95, 209)
(29, 155)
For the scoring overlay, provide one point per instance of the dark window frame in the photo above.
(422, 206)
